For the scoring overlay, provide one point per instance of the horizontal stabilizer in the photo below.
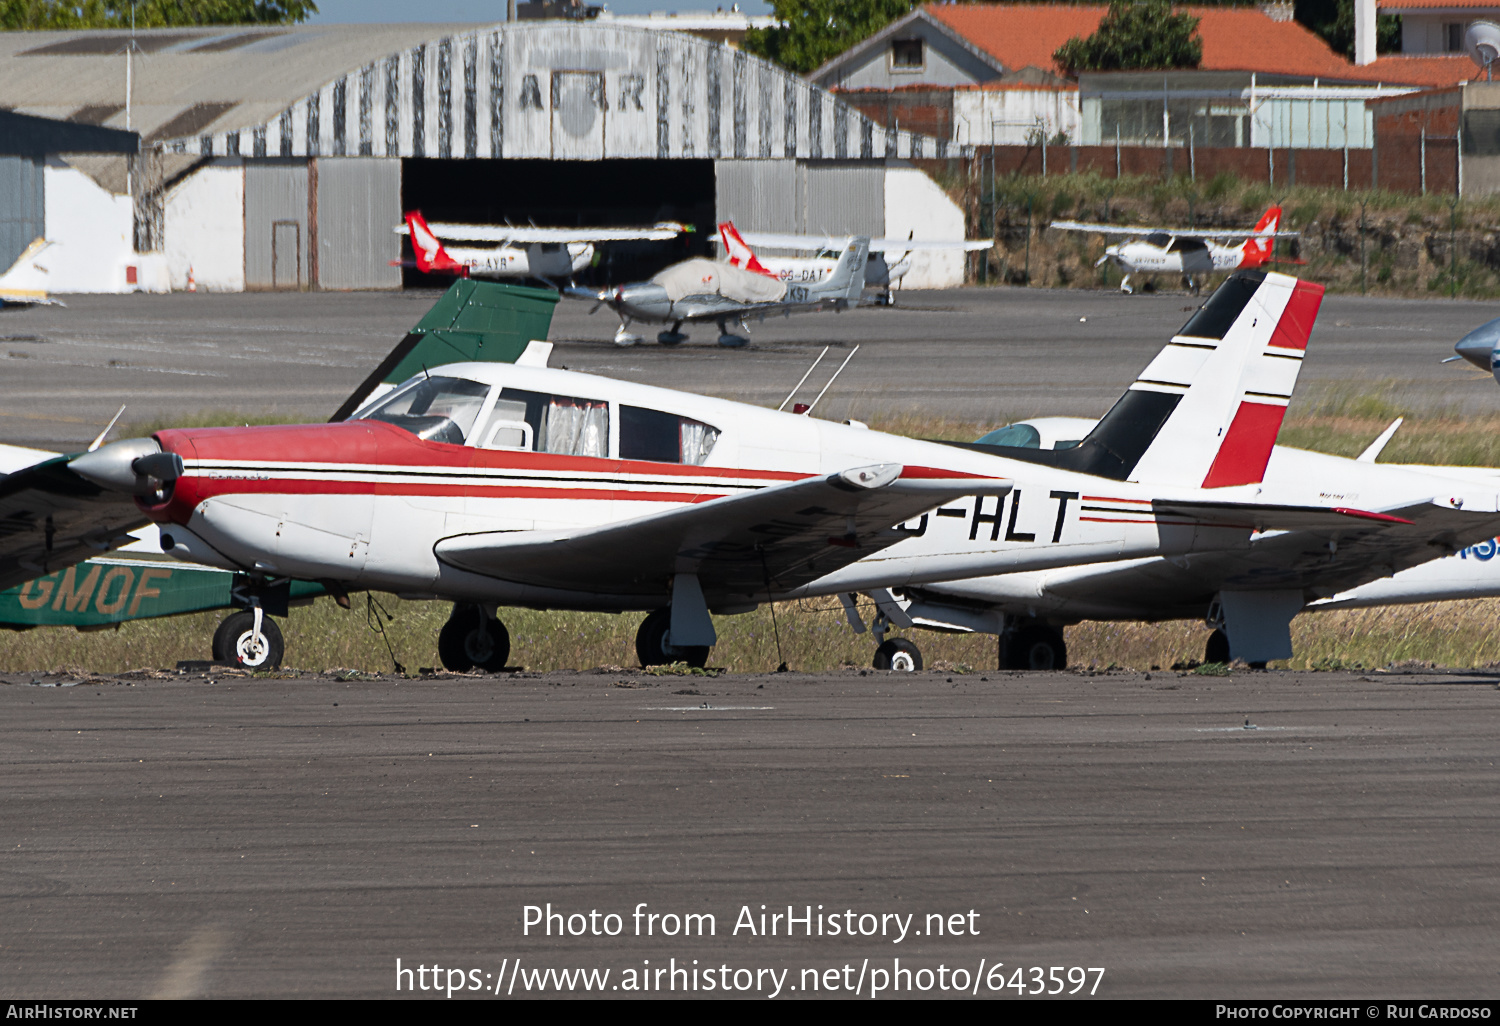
(1267, 517)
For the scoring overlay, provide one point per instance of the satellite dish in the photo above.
(1483, 43)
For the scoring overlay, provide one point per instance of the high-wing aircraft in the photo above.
(25, 283)
(547, 254)
(1248, 596)
(701, 290)
(486, 484)
(473, 320)
(890, 259)
(1191, 253)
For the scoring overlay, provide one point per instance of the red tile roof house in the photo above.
(983, 73)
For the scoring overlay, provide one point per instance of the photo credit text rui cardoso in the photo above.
(514, 973)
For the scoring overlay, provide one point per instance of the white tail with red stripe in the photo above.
(1257, 249)
(429, 251)
(739, 252)
(1206, 411)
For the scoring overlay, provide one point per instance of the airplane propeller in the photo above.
(134, 465)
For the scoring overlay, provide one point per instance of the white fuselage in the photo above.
(533, 260)
(365, 504)
(1142, 257)
(1301, 477)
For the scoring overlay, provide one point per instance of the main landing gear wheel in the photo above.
(673, 336)
(733, 341)
(236, 642)
(1033, 647)
(1217, 648)
(470, 639)
(898, 654)
(653, 643)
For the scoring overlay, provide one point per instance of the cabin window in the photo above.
(1019, 436)
(538, 422)
(664, 437)
(907, 55)
(437, 409)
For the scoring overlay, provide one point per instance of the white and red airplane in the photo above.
(888, 262)
(1247, 596)
(490, 485)
(1191, 253)
(522, 252)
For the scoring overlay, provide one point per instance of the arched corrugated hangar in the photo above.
(322, 136)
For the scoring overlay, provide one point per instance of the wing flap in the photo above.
(787, 534)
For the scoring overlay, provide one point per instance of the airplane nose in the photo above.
(1478, 346)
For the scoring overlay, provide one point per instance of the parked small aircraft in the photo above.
(1192, 253)
(1247, 596)
(1481, 347)
(25, 283)
(487, 484)
(702, 290)
(473, 320)
(890, 259)
(548, 254)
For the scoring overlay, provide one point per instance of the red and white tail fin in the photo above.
(1227, 378)
(739, 252)
(1206, 411)
(1258, 250)
(431, 256)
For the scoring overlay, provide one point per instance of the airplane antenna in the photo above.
(808, 412)
(425, 375)
(803, 381)
(107, 428)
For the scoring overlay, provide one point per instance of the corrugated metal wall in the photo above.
(22, 206)
(566, 90)
(843, 200)
(359, 205)
(276, 224)
(757, 195)
(814, 198)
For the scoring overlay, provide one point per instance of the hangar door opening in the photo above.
(569, 194)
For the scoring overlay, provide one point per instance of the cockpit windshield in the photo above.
(437, 409)
(1020, 436)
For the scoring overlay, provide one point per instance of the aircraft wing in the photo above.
(523, 234)
(1178, 233)
(51, 518)
(813, 243)
(1321, 562)
(789, 534)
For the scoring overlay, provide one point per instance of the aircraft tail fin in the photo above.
(848, 279)
(1258, 250)
(739, 252)
(474, 321)
(1206, 411)
(430, 254)
(26, 280)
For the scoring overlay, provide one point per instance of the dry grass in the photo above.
(814, 637)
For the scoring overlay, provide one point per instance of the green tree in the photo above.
(1334, 21)
(1135, 37)
(812, 31)
(72, 14)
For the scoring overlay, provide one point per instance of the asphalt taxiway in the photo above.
(1265, 835)
(988, 355)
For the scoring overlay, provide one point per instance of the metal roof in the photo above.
(538, 89)
(239, 75)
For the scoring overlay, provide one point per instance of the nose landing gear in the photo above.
(250, 639)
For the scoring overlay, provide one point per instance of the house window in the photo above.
(1453, 37)
(907, 55)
